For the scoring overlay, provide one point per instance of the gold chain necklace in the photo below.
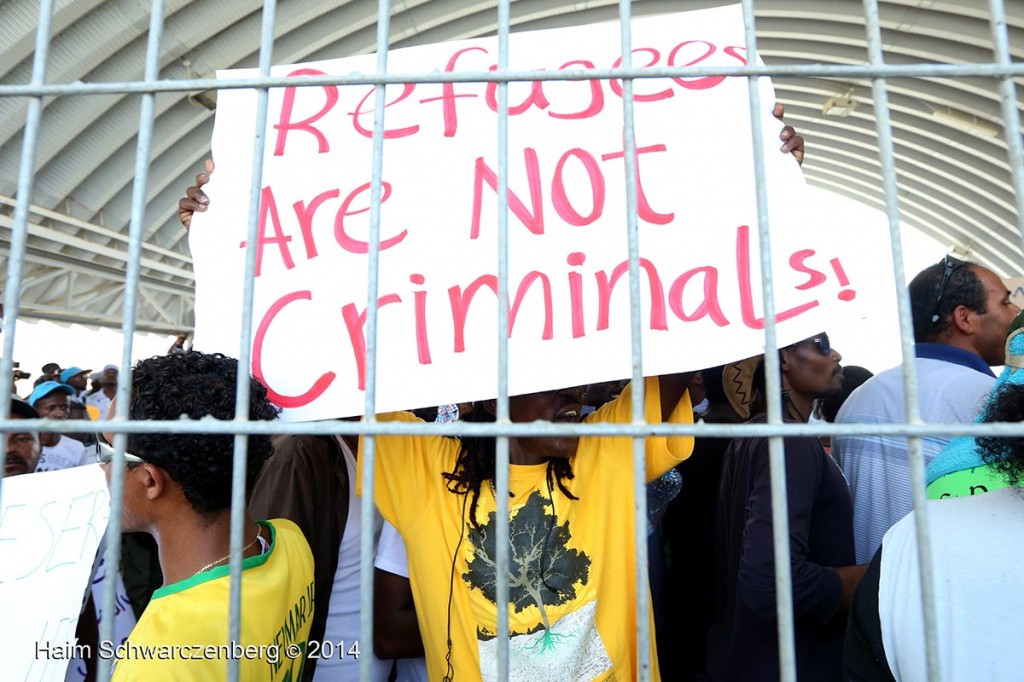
(245, 549)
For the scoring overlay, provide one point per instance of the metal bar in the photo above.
(19, 234)
(642, 614)
(776, 451)
(367, 537)
(1008, 102)
(502, 551)
(883, 126)
(241, 443)
(129, 309)
(518, 430)
(503, 429)
(1013, 70)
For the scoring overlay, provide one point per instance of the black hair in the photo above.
(196, 385)
(712, 381)
(759, 404)
(475, 464)
(427, 414)
(963, 287)
(1005, 453)
(853, 377)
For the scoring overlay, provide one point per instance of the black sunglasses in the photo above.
(950, 265)
(821, 341)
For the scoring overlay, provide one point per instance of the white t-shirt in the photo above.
(343, 610)
(67, 453)
(100, 401)
(976, 560)
(391, 557)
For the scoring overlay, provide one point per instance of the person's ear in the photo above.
(962, 319)
(783, 360)
(784, 366)
(153, 479)
(491, 406)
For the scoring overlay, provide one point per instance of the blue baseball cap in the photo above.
(71, 372)
(46, 388)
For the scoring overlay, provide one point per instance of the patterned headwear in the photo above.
(738, 385)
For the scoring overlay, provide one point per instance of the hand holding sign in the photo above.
(791, 142)
(195, 198)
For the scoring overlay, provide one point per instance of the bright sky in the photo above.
(37, 343)
(874, 342)
(870, 342)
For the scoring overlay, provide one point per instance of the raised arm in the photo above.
(672, 387)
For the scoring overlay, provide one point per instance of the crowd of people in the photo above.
(573, 582)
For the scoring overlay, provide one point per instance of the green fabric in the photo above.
(219, 571)
(967, 482)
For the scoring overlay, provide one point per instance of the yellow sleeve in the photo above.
(663, 452)
(405, 466)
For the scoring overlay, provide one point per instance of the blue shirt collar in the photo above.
(958, 356)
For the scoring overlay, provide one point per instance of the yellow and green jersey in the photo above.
(183, 634)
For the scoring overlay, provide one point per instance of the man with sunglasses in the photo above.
(961, 313)
(743, 640)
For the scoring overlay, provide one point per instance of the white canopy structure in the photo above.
(955, 181)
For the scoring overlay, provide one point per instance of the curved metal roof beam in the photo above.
(916, 168)
(940, 210)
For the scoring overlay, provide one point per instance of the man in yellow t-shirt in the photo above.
(177, 487)
(572, 572)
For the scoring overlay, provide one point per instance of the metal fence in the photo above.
(1001, 68)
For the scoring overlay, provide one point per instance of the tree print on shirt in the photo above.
(543, 569)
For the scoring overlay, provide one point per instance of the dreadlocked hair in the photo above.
(475, 465)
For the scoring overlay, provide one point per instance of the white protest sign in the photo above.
(50, 527)
(568, 286)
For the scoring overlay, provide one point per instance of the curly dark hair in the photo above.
(475, 464)
(196, 385)
(964, 287)
(1005, 453)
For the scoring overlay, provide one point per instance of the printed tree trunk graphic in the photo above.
(543, 569)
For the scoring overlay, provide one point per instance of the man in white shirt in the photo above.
(108, 389)
(52, 400)
(976, 557)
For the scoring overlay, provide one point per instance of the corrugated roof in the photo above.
(954, 185)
